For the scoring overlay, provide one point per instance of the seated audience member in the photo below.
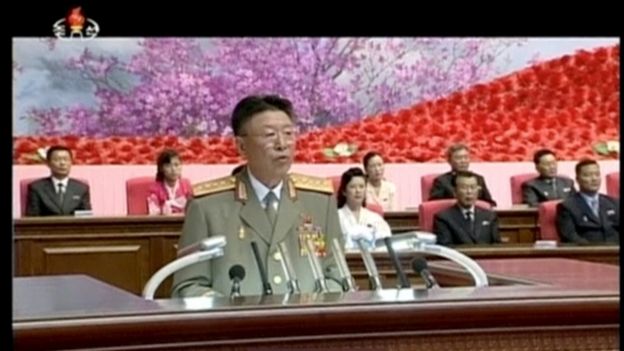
(170, 191)
(547, 186)
(57, 195)
(588, 217)
(458, 157)
(355, 219)
(465, 223)
(379, 190)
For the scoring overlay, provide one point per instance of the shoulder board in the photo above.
(214, 186)
(306, 182)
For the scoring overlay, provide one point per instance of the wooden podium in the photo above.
(552, 304)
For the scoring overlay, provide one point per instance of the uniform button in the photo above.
(277, 279)
(277, 256)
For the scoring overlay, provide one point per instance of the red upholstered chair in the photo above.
(613, 184)
(136, 195)
(427, 211)
(516, 186)
(24, 191)
(426, 183)
(546, 218)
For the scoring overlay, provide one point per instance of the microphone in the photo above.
(404, 283)
(237, 274)
(266, 286)
(289, 271)
(317, 271)
(369, 263)
(419, 265)
(343, 267)
(204, 245)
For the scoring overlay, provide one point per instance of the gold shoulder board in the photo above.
(214, 186)
(318, 184)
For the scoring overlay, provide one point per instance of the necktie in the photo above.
(60, 193)
(594, 206)
(270, 201)
(470, 222)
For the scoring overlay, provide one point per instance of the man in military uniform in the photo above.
(265, 204)
(548, 185)
(458, 157)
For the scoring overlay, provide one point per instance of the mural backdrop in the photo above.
(121, 101)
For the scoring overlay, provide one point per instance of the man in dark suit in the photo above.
(57, 195)
(588, 217)
(548, 185)
(465, 223)
(458, 157)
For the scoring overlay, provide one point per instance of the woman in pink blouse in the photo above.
(170, 191)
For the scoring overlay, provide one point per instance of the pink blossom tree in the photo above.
(185, 87)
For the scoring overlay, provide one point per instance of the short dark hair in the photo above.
(368, 157)
(454, 148)
(56, 148)
(537, 156)
(462, 174)
(584, 162)
(164, 158)
(254, 104)
(344, 181)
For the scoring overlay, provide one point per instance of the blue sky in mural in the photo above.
(41, 81)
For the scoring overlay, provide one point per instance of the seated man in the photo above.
(588, 217)
(57, 195)
(464, 223)
(547, 186)
(458, 157)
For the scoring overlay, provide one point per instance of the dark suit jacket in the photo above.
(443, 188)
(451, 227)
(539, 190)
(577, 223)
(42, 199)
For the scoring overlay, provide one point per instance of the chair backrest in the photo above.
(137, 190)
(516, 185)
(24, 183)
(426, 183)
(613, 184)
(546, 218)
(428, 209)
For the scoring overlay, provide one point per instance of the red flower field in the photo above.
(566, 104)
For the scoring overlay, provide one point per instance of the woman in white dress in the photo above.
(356, 221)
(378, 190)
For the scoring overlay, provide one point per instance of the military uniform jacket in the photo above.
(228, 206)
(539, 190)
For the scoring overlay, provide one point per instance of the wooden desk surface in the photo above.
(519, 317)
(127, 251)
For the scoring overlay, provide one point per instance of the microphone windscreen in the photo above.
(419, 264)
(237, 271)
